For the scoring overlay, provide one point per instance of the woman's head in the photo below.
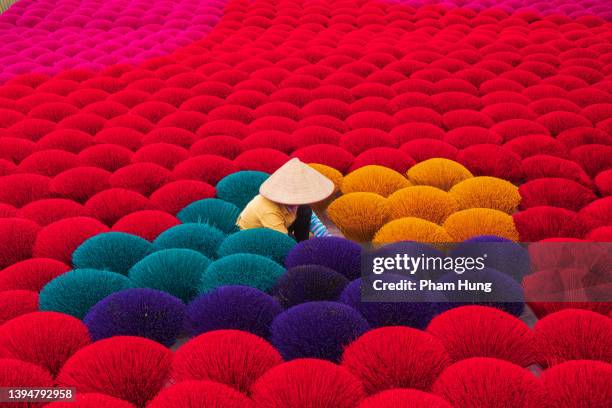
(296, 183)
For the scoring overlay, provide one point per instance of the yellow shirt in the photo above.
(263, 213)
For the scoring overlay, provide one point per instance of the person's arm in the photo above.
(317, 228)
(274, 220)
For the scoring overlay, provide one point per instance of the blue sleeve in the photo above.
(317, 228)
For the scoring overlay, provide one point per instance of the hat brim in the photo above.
(283, 197)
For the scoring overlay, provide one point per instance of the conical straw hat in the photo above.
(296, 183)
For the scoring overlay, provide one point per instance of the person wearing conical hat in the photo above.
(283, 202)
